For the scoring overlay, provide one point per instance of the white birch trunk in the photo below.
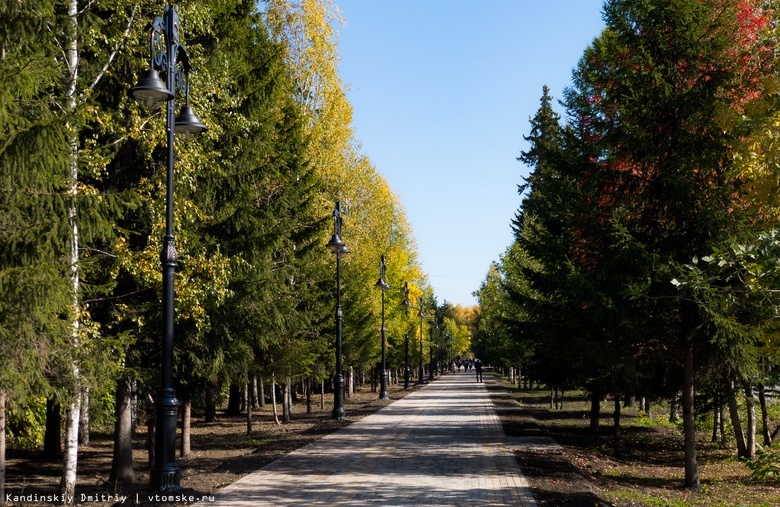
(68, 481)
(2, 448)
(750, 405)
(186, 425)
(84, 422)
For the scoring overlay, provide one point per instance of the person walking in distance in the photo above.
(478, 367)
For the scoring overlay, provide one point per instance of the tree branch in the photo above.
(119, 45)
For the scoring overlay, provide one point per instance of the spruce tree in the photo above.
(643, 99)
(33, 178)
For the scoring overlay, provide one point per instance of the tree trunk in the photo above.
(616, 426)
(764, 415)
(673, 408)
(717, 422)
(286, 401)
(255, 402)
(273, 399)
(150, 430)
(750, 405)
(122, 472)
(595, 409)
(262, 392)
(84, 422)
(52, 443)
(70, 456)
(186, 425)
(322, 395)
(308, 395)
(234, 401)
(248, 410)
(2, 448)
(735, 422)
(210, 414)
(689, 423)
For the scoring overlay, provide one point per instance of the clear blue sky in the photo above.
(442, 92)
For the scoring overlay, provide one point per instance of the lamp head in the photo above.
(188, 123)
(150, 91)
(336, 245)
(382, 284)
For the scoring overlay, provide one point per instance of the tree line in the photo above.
(645, 254)
(82, 200)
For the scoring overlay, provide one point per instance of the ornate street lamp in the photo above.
(421, 374)
(382, 285)
(407, 371)
(449, 352)
(430, 351)
(167, 54)
(338, 247)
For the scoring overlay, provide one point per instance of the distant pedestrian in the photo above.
(478, 367)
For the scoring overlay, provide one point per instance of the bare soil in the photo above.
(646, 469)
(222, 452)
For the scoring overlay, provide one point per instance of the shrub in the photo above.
(766, 464)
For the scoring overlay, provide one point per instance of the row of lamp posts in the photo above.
(339, 248)
(168, 55)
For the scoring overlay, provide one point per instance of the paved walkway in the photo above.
(439, 446)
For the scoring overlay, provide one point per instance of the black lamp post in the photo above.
(449, 351)
(431, 359)
(167, 54)
(382, 285)
(338, 247)
(421, 376)
(407, 371)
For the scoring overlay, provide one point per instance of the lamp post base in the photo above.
(383, 386)
(166, 481)
(338, 399)
(165, 474)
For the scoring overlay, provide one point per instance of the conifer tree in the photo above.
(66, 187)
(33, 182)
(261, 213)
(644, 95)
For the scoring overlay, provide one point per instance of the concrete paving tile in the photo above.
(440, 446)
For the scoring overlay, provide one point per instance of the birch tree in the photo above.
(82, 27)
